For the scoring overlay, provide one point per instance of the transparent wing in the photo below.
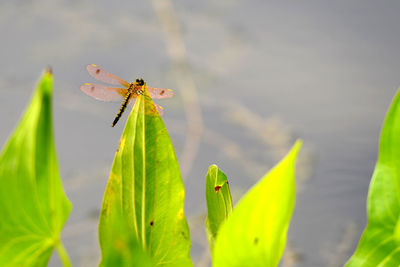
(159, 108)
(159, 93)
(103, 76)
(104, 93)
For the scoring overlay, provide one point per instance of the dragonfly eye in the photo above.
(140, 81)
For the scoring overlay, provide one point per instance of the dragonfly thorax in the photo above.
(137, 87)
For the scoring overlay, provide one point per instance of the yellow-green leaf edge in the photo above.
(255, 233)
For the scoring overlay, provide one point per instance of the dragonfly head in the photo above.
(140, 82)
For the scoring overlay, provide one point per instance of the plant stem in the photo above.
(62, 253)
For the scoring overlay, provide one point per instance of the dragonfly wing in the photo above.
(159, 108)
(105, 77)
(152, 111)
(159, 93)
(103, 93)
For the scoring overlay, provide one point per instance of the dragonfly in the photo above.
(128, 94)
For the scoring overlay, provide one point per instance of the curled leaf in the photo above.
(219, 201)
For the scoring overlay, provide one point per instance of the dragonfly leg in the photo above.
(141, 92)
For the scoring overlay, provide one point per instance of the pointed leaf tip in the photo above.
(379, 244)
(31, 194)
(296, 147)
(145, 186)
(49, 70)
(256, 230)
(219, 201)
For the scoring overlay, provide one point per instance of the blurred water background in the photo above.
(249, 76)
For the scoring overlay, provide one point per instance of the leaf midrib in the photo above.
(143, 175)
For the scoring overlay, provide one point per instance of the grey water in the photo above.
(265, 74)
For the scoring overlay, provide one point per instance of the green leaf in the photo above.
(255, 233)
(33, 205)
(219, 201)
(122, 248)
(380, 242)
(146, 185)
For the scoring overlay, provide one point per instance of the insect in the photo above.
(127, 94)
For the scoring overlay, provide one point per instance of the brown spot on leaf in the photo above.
(121, 144)
(97, 71)
(217, 188)
(255, 241)
(118, 146)
(162, 92)
(151, 223)
(184, 235)
(92, 89)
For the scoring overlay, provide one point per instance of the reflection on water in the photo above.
(250, 78)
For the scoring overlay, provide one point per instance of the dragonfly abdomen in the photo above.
(122, 109)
